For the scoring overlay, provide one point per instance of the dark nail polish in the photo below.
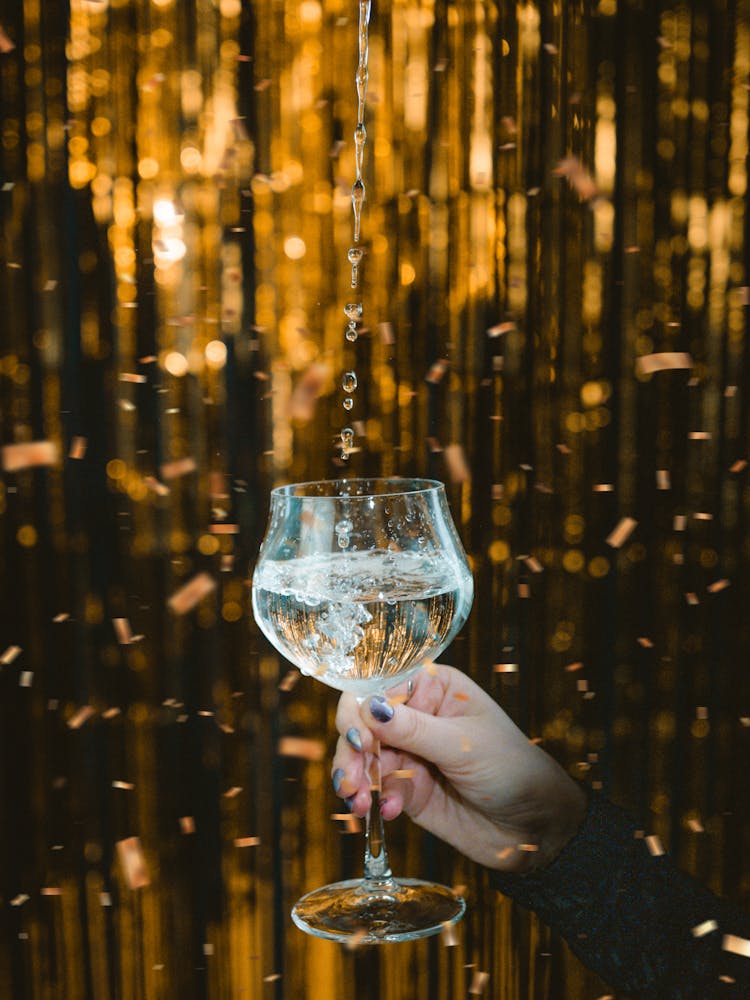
(353, 737)
(380, 709)
(349, 802)
(338, 777)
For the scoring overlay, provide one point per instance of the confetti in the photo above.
(62, 617)
(297, 746)
(134, 869)
(50, 890)
(125, 785)
(692, 598)
(187, 824)
(224, 529)
(737, 945)
(25, 679)
(478, 983)
(105, 899)
(82, 715)
(679, 522)
(78, 447)
(699, 436)
(123, 631)
(739, 466)
(718, 585)
(623, 530)
(351, 822)
(307, 391)
(455, 460)
(130, 377)
(28, 455)
(533, 564)
(505, 668)
(603, 488)
(10, 654)
(572, 667)
(246, 841)
(208, 949)
(647, 364)
(645, 642)
(288, 681)
(20, 899)
(437, 370)
(404, 772)
(705, 928)
(386, 333)
(654, 845)
(695, 825)
(180, 467)
(578, 176)
(111, 713)
(156, 487)
(186, 598)
(528, 848)
(448, 935)
(663, 479)
(501, 328)
(6, 43)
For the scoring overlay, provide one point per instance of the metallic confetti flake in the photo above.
(297, 746)
(246, 841)
(133, 863)
(82, 715)
(191, 593)
(654, 845)
(647, 364)
(10, 654)
(28, 455)
(620, 534)
(705, 928)
(737, 945)
(180, 467)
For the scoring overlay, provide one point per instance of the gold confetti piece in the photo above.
(739, 466)
(62, 617)
(529, 848)
(582, 684)
(620, 534)
(460, 696)
(180, 467)
(134, 869)
(232, 792)
(275, 976)
(297, 746)
(404, 772)
(26, 678)
(505, 668)
(78, 447)
(105, 899)
(50, 890)
(718, 585)
(123, 631)
(288, 681)
(647, 364)
(737, 945)
(505, 853)
(386, 333)
(156, 487)
(588, 695)
(187, 824)
(126, 405)
(478, 983)
(6, 43)
(692, 598)
(604, 488)
(352, 823)
(701, 712)
(10, 654)
(448, 935)
(28, 455)
(679, 522)
(20, 899)
(702, 516)
(207, 713)
(111, 713)
(501, 328)
(82, 715)
(524, 591)
(705, 928)
(572, 667)
(191, 593)
(726, 979)
(246, 841)
(578, 176)
(645, 642)
(456, 463)
(695, 825)
(534, 565)
(699, 436)
(308, 389)
(745, 721)
(130, 377)
(654, 845)
(224, 529)
(437, 370)
(125, 785)
(208, 949)
(663, 481)
(434, 445)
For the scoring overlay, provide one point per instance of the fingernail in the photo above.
(353, 737)
(383, 803)
(338, 777)
(349, 803)
(380, 709)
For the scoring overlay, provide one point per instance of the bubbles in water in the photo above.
(355, 255)
(351, 332)
(349, 381)
(353, 310)
(343, 541)
(348, 403)
(344, 526)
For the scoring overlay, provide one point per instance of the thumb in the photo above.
(436, 739)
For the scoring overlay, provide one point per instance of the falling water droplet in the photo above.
(349, 382)
(353, 310)
(347, 437)
(348, 403)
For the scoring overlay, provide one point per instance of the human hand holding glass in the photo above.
(360, 583)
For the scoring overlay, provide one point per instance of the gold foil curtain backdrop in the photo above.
(556, 192)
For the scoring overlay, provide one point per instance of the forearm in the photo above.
(635, 918)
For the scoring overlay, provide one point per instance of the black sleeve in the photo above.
(635, 919)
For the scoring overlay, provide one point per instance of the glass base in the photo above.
(359, 912)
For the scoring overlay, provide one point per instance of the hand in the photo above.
(454, 762)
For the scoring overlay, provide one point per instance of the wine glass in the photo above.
(360, 583)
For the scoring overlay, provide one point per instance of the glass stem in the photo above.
(377, 868)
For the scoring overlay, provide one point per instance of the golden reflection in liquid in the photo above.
(555, 193)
